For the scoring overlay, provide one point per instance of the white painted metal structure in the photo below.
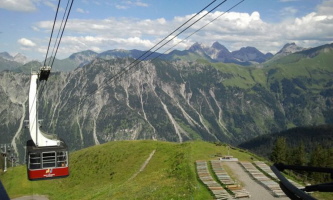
(40, 139)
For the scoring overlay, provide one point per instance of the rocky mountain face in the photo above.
(7, 62)
(8, 65)
(6, 55)
(247, 54)
(83, 57)
(19, 58)
(173, 101)
(289, 48)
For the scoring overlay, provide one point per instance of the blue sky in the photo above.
(100, 25)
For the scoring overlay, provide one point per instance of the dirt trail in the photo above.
(34, 197)
(143, 165)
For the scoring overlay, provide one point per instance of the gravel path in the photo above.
(257, 191)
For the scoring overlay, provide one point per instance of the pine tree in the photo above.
(330, 158)
(300, 157)
(319, 158)
(279, 152)
(290, 157)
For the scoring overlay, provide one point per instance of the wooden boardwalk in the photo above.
(267, 182)
(264, 167)
(224, 178)
(204, 175)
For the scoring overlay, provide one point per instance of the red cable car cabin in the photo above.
(47, 155)
(47, 162)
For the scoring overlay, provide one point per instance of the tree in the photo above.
(279, 152)
(330, 158)
(319, 158)
(299, 157)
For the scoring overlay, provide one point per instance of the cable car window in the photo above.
(49, 159)
(61, 158)
(34, 161)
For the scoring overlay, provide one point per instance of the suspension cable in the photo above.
(129, 67)
(197, 30)
(54, 22)
(119, 74)
(174, 31)
(70, 8)
(62, 21)
(41, 88)
(200, 29)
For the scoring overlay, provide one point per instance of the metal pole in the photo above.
(5, 156)
(37, 127)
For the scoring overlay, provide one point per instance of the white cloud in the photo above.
(26, 42)
(121, 7)
(26, 5)
(80, 10)
(127, 4)
(326, 8)
(50, 4)
(137, 3)
(35, 28)
(19, 5)
(288, 12)
(42, 50)
(233, 29)
(311, 27)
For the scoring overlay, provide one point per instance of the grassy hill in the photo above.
(106, 172)
(114, 171)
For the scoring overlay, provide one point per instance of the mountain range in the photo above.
(219, 53)
(245, 56)
(19, 58)
(172, 100)
(8, 62)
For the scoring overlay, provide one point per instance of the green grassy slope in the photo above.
(104, 172)
(291, 87)
(318, 67)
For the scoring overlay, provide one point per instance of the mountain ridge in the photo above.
(245, 56)
(20, 58)
(290, 48)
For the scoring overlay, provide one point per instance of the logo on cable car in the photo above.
(48, 173)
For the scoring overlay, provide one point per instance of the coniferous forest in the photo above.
(304, 146)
